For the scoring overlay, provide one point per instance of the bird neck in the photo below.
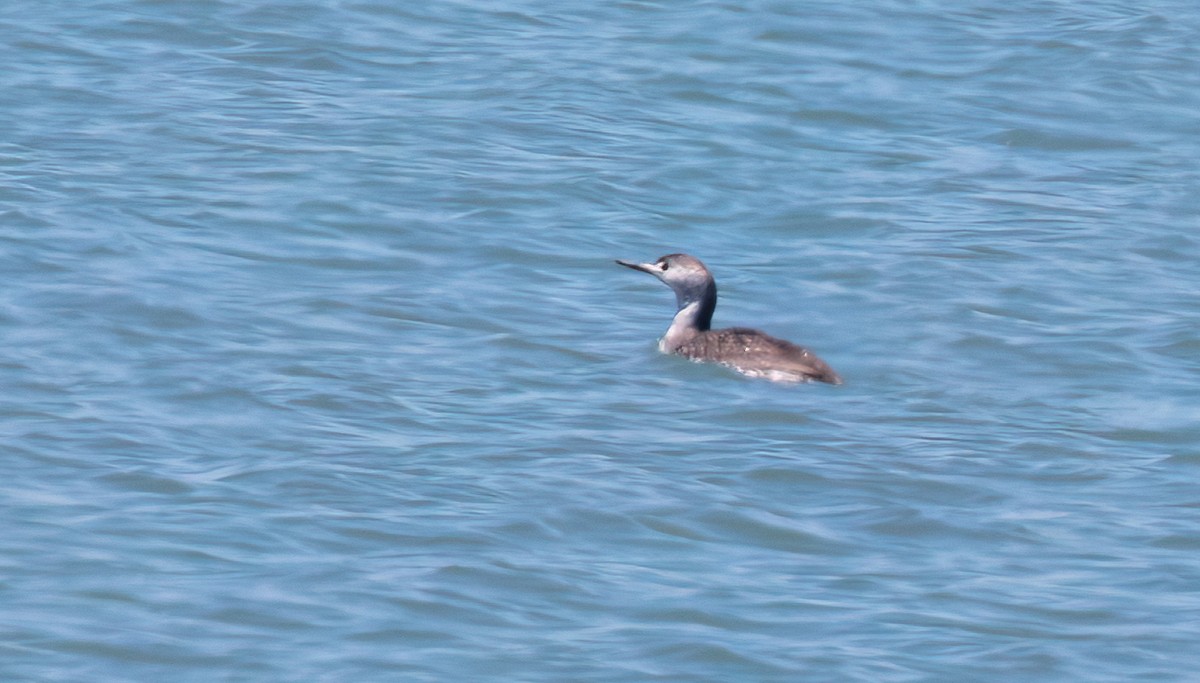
(696, 306)
(693, 317)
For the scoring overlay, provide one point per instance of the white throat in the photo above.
(683, 328)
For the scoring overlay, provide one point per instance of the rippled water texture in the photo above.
(316, 365)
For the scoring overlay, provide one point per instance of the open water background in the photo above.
(316, 366)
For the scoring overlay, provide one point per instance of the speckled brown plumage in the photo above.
(758, 354)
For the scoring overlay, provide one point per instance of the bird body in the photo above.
(749, 351)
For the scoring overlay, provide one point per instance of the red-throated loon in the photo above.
(748, 351)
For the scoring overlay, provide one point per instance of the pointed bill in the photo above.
(644, 267)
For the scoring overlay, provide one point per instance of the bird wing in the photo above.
(755, 352)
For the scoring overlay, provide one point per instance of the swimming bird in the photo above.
(748, 351)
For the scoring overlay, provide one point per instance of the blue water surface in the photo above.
(317, 367)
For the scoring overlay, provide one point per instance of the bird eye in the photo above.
(663, 265)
